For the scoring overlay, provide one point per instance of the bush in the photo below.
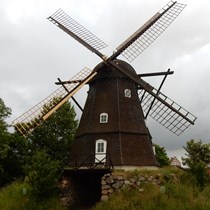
(42, 174)
(201, 174)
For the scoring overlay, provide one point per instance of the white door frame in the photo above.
(100, 150)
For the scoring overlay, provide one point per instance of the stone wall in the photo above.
(111, 183)
(73, 188)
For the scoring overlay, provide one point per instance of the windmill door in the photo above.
(100, 151)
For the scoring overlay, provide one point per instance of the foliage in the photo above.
(5, 112)
(201, 174)
(42, 174)
(196, 152)
(161, 156)
(12, 149)
(198, 158)
(56, 134)
(13, 197)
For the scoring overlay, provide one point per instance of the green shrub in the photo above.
(201, 174)
(42, 174)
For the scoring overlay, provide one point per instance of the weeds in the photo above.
(18, 196)
(181, 194)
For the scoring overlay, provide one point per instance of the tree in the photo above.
(12, 149)
(42, 174)
(5, 112)
(56, 134)
(198, 158)
(161, 155)
(196, 152)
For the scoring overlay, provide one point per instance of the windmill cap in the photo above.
(108, 71)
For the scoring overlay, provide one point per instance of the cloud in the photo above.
(34, 53)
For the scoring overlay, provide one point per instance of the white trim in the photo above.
(100, 150)
(127, 93)
(103, 118)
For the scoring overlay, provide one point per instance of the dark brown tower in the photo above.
(113, 96)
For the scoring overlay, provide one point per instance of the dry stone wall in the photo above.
(111, 183)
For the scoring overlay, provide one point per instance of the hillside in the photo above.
(176, 190)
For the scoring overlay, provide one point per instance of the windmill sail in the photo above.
(31, 119)
(173, 117)
(78, 32)
(149, 32)
(164, 110)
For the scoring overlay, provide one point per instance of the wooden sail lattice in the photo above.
(77, 31)
(161, 108)
(176, 119)
(31, 119)
(151, 30)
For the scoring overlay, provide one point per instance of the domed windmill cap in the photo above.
(108, 71)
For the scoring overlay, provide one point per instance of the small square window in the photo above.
(127, 93)
(103, 118)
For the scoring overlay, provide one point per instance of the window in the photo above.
(127, 93)
(100, 147)
(103, 118)
(100, 151)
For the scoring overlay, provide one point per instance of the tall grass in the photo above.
(17, 196)
(176, 197)
(183, 194)
(179, 194)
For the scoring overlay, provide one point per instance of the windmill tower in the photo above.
(112, 129)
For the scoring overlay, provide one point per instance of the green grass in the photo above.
(180, 194)
(176, 197)
(12, 197)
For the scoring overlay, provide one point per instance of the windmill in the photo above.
(112, 129)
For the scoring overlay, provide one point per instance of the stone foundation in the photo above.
(90, 188)
(114, 182)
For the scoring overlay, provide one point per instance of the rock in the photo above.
(103, 182)
(150, 178)
(118, 185)
(141, 190)
(104, 197)
(120, 178)
(133, 180)
(127, 182)
(110, 180)
(138, 183)
(142, 178)
(105, 187)
(104, 192)
(110, 191)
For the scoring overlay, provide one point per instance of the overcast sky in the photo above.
(34, 53)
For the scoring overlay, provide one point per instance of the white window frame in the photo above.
(127, 93)
(103, 118)
(100, 150)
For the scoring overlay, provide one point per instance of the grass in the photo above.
(181, 194)
(176, 197)
(17, 196)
